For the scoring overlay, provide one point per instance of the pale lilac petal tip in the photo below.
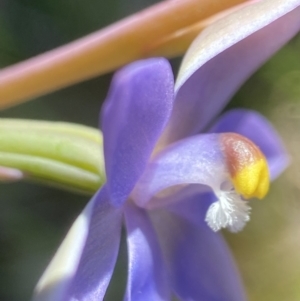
(147, 279)
(200, 265)
(226, 60)
(136, 111)
(99, 255)
(257, 128)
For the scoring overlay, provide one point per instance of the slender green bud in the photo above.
(61, 154)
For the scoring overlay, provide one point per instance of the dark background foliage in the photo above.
(34, 219)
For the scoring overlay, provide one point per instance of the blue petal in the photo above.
(100, 252)
(199, 262)
(135, 113)
(255, 127)
(83, 265)
(147, 279)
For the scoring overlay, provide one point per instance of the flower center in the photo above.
(248, 177)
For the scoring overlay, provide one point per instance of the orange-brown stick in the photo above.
(102, 51)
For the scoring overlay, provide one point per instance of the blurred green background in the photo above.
(34, 219)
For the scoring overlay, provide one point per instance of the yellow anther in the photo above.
(247, 166)
(252, 180)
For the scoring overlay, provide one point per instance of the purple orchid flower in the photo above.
(158, 169)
